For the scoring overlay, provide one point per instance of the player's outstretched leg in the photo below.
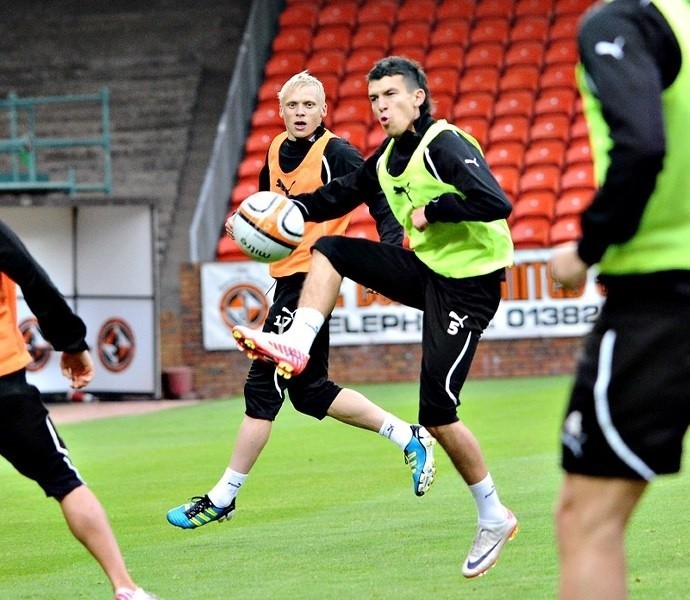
(419, 455)
(199, 512)
(487, 545)
(270, 348)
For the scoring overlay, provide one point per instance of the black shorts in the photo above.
(630, 404)
(455, 313)
(311, 392)
(29, 441)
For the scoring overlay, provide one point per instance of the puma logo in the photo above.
(614, 48)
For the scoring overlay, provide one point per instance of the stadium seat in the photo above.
(373, 36)
(353, 86)
(539, 8)
(266, 114)
(579, 129)
(343, 12)
(549, 126)
(476, 126)
(360, 61)
(259, 140)
(530, 28)
(502, 154)
(352, 110)
(444, 56)
(545, 152)
(299, 15)
(479, 79)
(443, 81)
(579, 175)
(354, 132)
(331, 85)
(412, 52)
(327, 62)
(375, 136)
(555, 100)
(243, 189)
(507, 177)
(561, 51)
(491, 29)
(512, 128)
(540, 177)
(565, 229)
(452, 9)
(573, 202)
(579, 151)
(487, 54)
(442, 105)
(479, 104)
(557, 75)
(534, 204)
(293, 38)
(570, 7)
(453, 32)
(251, 165)
(227, 250)
(361, 214)
(380, 12)
(270, 87)
(364, 229)
(519, 77)
(528, 52)
(411, 34)
(285, 64)
(494, 8)
(331, 36)
(416, 11)
(530, 233)
(514, 102)
(564, 27)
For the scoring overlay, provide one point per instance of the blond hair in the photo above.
(300, 80)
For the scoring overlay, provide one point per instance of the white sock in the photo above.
(306, 323)
(489, 507)
(396, 430)
(224, 492)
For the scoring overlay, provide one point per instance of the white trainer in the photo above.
(488, 544)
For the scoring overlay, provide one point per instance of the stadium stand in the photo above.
(503, 70)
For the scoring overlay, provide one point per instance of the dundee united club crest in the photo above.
(116, 345)
(243, 305)
(36, 344)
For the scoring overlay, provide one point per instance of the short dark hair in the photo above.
(411, 71)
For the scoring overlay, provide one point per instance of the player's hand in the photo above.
(78, 367)
(567, 268)
(418, 217)
(229, 226)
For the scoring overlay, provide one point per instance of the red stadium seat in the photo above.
(514, 102)
(375, 137)
(579, 151)
(442, 106)
(550, 126)
(453, 32)
(507, 177)
(557, 75)
(381, 11)
(228, 250)
(416, 11)
(270, 87)
(251, 165)
(327, 62)
(354, 132)
(338, 13)
(444, 56)
(487, 54)
(353, 86)
(412, 52)
(561, 51)
(503, 154)
(411, 34)
(519, 77)
(452, 9)
(474, 105)
(573, 202)
(492, 29)
(513, 128)
(267, 114)
(565, 229)
(361, 60)
(365, 229)
(477, 127)
(540, 177)
(285, 64)
(243, 189)
(527, 52)
(299, 15)
(534, 204)
(479, 79)
(578, 175)
(372, 35)
(293, 38)
(493, 8)
(540, 8)
(530, 28)
(530, 233)
(579, 129)
(570, 7)
(443, 81)
(555, 100)
(259, 140)
(545, 152)
(565, 27)
(331, 36)
(352, 110)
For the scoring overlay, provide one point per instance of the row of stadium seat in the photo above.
(503, 70)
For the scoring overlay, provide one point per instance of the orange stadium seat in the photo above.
(331, 36)
(327, 62)
(534, 204)
(417, 11)
(243, 189)
(259, 140)
(487, 54)
(579, 128)
(550, 126)
(545, 152)
(502, 154)
(578, 175)
(539, 8)
(444, 56)
(270, 87)
(301, 14)
(514, 102)
(285, 64)
(519, 77)
(565, 229)
(561, 51)
(411, 34)
(266, 114)
(452, 9)
(379, 11)
(479, 104)
(555, 100)
(493, 8)
(579, 151)
(540, 177)
(342, 12)
(528, 52)
(251, 165)
(507, 177)
(530, 233)
(573, 202)
(512, 128)
(359, 62)
(453, 32)
(372, 35)
(479, 79)
(293, 38)
(491, 29)
(530, 28)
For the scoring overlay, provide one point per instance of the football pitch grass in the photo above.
(328, 511)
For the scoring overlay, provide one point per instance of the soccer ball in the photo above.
(268, 226)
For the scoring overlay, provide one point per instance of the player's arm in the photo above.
(629, 84)
(59, 325)
(479, 196)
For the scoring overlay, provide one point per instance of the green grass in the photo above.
(328, 512)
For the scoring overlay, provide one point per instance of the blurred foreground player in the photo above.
(28, 439)
(630, 404)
